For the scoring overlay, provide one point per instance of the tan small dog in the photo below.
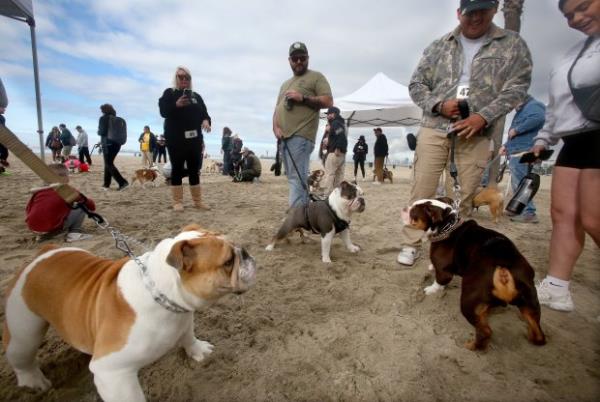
(387, 174)
(493, 198)
(145, 175)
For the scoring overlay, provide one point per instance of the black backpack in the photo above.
(117, 130)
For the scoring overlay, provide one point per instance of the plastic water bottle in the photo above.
(528, 186)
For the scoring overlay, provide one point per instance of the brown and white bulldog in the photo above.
(124, 313)
(494, 272)
(326, 217)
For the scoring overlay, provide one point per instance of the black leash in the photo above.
(304, 185)
(463, 108)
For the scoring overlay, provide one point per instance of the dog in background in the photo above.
(145, 176)
(314, 180)
(492, 197)
(387, 174)
(494, 272)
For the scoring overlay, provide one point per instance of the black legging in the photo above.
(362, 167)
(109, 152)
(189, 155)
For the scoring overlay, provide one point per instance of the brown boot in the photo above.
(197, 197)
(177, 194)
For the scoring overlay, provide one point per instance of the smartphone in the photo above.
(529, 157)
(187, 92)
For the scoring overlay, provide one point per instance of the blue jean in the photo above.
(300, 149)
(517, 172)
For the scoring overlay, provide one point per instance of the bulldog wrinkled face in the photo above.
(353, 193)
(210, 266)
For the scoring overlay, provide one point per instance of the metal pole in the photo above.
(38, 96)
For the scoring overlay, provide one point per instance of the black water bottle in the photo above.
(528, 186)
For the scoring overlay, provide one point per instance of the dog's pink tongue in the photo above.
(405, 216)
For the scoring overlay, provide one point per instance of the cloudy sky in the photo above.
(125, 52)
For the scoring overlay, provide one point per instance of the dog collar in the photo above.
(158, 296)
(446, 230)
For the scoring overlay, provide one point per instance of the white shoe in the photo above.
(548, 297)
(408, 255)
(76, 236)
(377, 182)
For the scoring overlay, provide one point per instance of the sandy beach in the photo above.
(359, 329)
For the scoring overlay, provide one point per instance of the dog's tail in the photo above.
(504, 285)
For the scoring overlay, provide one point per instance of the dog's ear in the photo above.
(182, 255)
(436, 214)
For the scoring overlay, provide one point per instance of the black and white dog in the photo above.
(326, 217)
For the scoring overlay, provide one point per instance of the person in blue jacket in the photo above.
(528, 120)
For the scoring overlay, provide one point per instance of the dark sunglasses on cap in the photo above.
(296, 59)
(183, 77)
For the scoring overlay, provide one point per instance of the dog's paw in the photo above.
(326, 260)
(199, 350)
(270, 247)
(433, 288)
(353, 248)
(33, 379)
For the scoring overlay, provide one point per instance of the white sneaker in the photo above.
(548, 297)
(408, 255)
(76, 236)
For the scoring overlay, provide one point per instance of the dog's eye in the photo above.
(229, 263)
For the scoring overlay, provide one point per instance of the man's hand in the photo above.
(277, 132)
(338, 152)
(502, 150)
(450, 109)
(205, 125)
(512, 133)
(470, 126)
(294, 95)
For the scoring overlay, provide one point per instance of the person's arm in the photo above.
(167, 103)
(422, 80)
(103, 126)
(514, 90)
(206, 120)
(532, 118)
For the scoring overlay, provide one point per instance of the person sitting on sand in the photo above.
(47, 214)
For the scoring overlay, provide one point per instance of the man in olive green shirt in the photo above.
(296, 119)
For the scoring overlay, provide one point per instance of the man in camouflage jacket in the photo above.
(488, 67)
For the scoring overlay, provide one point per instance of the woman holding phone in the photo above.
(185, 118)
(576, 176)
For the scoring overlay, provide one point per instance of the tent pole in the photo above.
(38, 97)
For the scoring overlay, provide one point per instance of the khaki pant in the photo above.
(432, 156)
(379, 168)
(334, 171)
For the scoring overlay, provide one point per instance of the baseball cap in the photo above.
(466, 6)
(298, 47)
(333, 109)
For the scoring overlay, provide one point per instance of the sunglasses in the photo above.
(183, 77)
(296, 59)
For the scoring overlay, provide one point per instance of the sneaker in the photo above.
(525, 218)
(408, 255)
(547, 297)
(76, 236)
(123, 186)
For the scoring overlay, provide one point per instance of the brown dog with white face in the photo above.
(126, 314)
(493, 271)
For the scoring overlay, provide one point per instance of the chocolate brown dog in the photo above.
(493, 271)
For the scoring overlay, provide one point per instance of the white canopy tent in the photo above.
(22, 10)
(381, 102)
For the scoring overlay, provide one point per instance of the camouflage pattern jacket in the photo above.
(500, 77)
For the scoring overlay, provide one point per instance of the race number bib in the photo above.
(462, 92)
(191, 134)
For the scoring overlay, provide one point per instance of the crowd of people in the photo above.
(478, 66)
